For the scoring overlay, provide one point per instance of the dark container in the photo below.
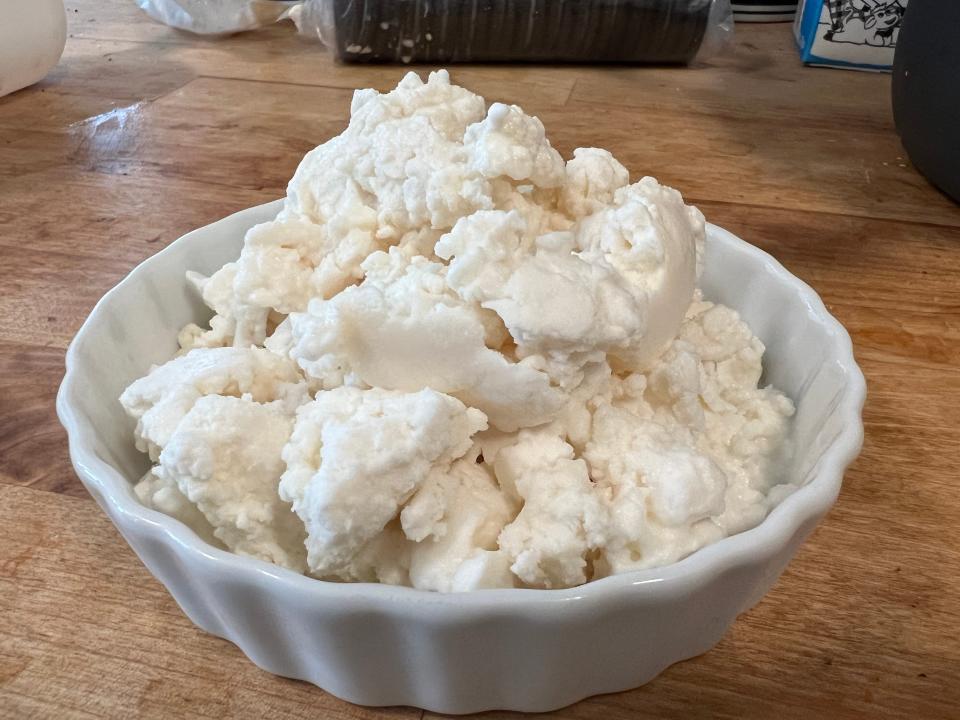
(450, 31)
(926, 90)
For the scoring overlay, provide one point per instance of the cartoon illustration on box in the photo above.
(863, 22)
(849, 33)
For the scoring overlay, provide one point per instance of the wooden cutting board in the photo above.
(143, 133)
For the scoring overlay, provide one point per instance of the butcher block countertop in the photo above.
(142, 133)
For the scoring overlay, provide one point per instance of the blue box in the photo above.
(856, 34)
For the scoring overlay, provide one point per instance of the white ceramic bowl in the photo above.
(510, 649)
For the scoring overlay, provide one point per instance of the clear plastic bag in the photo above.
(217, 17)
(450, 31)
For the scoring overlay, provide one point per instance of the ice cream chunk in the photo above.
(563, 516)
(663, 491)
(163, 495)
(404, 329)
(509, 142)
(356, 456)
(160, 400)
(618, 283)
(401, 160)
(454, 517)
(224, 456)
(651, 240)
(593, 176)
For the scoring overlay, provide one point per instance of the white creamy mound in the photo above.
(455, 361)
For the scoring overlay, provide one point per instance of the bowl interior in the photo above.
(808, 354)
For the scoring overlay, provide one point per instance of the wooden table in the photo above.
(142, 133)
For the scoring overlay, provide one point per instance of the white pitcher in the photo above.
(32, 36)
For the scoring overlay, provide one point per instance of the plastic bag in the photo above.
(217, 17)
(450, 31)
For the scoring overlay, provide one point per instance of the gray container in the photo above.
(926, 90)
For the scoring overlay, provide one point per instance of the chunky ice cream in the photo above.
(455, 361)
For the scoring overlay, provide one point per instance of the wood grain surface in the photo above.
(142, 133)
